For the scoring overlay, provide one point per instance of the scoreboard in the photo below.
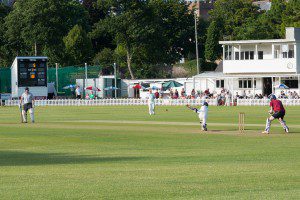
(29, 72)
(32, 72)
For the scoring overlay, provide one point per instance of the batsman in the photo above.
(203, 111)
(27, 104)
(277, 111)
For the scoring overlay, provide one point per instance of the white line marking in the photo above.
(167, 123)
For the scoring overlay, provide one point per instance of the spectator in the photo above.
(207, 92)
(243, 95)
(156, 94)
(78, 92)
(176, 95)
(182, 93)
(249, 95)
(227, 99)
(193, 94)
(171, 93)
(92, 96)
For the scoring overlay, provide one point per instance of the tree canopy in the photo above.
(145, 37)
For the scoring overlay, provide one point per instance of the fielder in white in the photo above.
(27, 104)
(151, 102)
(203, 112)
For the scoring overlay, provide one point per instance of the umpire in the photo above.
(27, 101)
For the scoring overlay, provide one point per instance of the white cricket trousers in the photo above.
(151, 108)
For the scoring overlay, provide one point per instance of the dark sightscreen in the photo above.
(32, 72)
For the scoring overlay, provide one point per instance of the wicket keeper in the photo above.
(277, 111)
(203, 112)
(27, 104)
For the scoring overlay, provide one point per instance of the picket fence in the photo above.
(114, 102)
(158, 102)
(266, 102)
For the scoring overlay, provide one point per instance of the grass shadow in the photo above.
(17, 158)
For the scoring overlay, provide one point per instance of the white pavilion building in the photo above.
(257, 66)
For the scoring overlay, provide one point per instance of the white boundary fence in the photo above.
(114, 102)
(266, 102)
(158, 102)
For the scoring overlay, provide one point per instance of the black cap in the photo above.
(205, 103)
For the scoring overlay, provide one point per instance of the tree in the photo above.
(232, 14)
(151, 32)
(212, 48)
(272, 19)
(104, 58)
(253, 29)
(4, 10)
(78, 46)
(43, 23)
(229, 21)
(125, 22)
(291, 15)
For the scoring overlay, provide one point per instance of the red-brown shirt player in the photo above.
(277, 111)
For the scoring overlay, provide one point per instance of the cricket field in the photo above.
(120, 152)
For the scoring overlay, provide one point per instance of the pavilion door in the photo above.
(267, 86)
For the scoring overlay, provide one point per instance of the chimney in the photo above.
(292, 33)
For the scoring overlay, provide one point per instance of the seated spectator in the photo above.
(193, 94)
(182, 93)
(171, 93)
(176, 94)
(282, 95)
(249, 95)
(243, 95)
(237, 96)
(92, 96)
(296, 96)
(156, 94)
(207, 92)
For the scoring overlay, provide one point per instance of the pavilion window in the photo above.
(251, 55)
(228, 52)
(285, 51)
(242, 55)
(260, 55)
(276, 51)
(219, 83)
(291, 51)
(247, 55)
(237, 55)
(246, 83)
(249, 84)
(291, 82)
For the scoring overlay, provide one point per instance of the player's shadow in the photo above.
(15, 158)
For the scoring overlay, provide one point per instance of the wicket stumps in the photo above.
(241, 122)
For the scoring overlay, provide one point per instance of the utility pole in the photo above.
(85, 68)
(115, 73)
(56, 70)
(85, 80)
(35, 49)
(196, 37)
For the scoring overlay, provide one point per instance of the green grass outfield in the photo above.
(123, 153)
